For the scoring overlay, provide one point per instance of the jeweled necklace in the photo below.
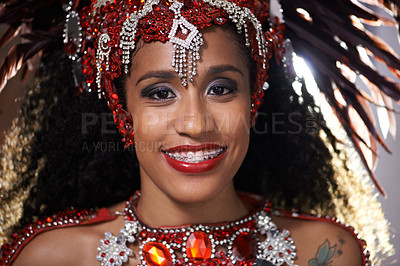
(251, 240)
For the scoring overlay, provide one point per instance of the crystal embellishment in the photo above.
(187, 41)
(102, 57)
(185, 37)
(113, 250)
(72, 32)
(245, 246)
(156, 254)
(197, 244)
(278, 248)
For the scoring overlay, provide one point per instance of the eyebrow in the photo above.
(170, 74)
(161, 74)
(215, 70)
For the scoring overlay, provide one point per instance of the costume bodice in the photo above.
(72, 217)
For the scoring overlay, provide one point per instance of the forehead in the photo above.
(220, 48)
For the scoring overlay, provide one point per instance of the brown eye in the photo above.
(219, 90)
(159, 94)
(222, 87)
(163, 94)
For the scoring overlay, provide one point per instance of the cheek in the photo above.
(234, 119)
(150, 126)
(146, 123)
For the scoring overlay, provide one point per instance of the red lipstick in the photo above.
(195, 168)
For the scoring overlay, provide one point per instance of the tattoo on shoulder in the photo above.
(324, 255)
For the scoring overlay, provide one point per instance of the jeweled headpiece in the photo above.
(99, 36)
(117, 26)
(329, 35)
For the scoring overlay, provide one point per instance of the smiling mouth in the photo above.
(195, 156)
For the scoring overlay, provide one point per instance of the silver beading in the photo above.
(102, 56)
(185, 37)
(241, 17)
(128, 31)
(191, 44)
(72, 31)
(277, 247)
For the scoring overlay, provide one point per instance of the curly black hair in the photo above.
(64, 150)
(86, 165)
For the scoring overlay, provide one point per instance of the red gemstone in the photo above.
(111, 260)
(156, 254)
(143, 234)
(198, 246)
(70, 47)
(179, 239)
(245, 246)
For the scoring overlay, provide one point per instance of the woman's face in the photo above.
(190, 141)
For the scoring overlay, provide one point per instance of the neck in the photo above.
(157, 209)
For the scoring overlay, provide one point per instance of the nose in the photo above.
(194, 118)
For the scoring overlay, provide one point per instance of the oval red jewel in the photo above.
(198, 246)
(70, 47)
(156, 254)
(245, 246)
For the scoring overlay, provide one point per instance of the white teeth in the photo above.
(194, 157)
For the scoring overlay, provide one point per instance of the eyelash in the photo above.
(152, 94)
(228, 88)
(224, 92)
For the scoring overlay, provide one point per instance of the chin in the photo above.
(195, 193)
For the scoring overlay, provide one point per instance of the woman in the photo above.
(190, 125)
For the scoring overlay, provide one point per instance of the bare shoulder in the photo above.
(320, 242)
(55, 247)
(75, 245)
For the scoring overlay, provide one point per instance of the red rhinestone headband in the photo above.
(116, 26)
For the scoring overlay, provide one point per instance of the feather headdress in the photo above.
(329, 35)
